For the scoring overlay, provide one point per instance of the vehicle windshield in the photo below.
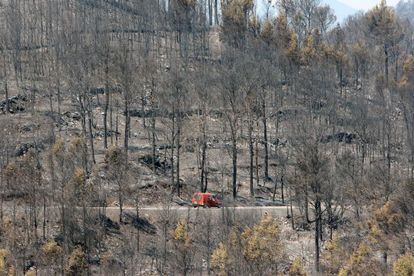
(217, 196)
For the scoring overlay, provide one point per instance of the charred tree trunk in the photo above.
(91, 136)
(234, 161)
(153, 122)
(121, 202)
(216, 21)
(210, 12)
(127, 127)
(318, 227)
(172, 151)
(386, 64)
(203, 166)
(6, 90)
(106, 107)
(266, 146)
(44, 217)
(257, 155)
(178, 153)
(203, 176)
(153, 142)
(251, 155)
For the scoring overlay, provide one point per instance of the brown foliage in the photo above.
(76, 263)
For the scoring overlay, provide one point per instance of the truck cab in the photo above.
(205, 200)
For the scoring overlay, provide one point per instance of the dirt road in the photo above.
(182, 212)
(177, 212)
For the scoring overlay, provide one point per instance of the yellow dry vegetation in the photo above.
(293, 48)
(181, 234)
(5, 268)
(77, 145)
(187, 3)
(58, 147)
(261, 244)
(407, 79)
(382, 19)
(404, 266)
(220, 260)
(267, 31)
(361, 262)
(297, 269)
(114, 156)
(30, 273)
(10, 170)
(386, 224)
(235, 10)
(79, 177)
(76, 264)
(51, 249)
(333, 256)
(3, 255)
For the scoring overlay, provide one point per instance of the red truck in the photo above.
(205, 200)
